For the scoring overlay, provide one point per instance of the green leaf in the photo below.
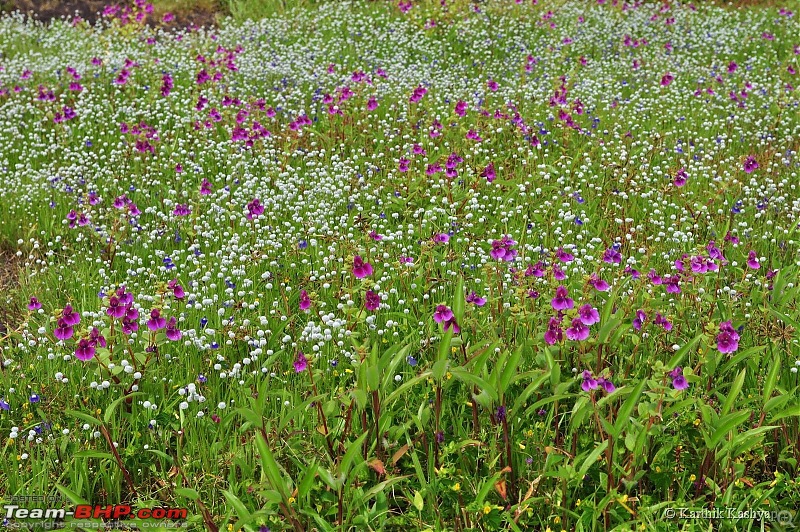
(307, 481)
(237, 505)
(440, 368)
(85, 417)
(459, 299)
(683, 351)
(73, 497)
(733, 393)
(772, 377)
(624, 413)
(270, 466)
(725, 425)
(112, 407)
(189, 493)
(592, 458)
(418, 501)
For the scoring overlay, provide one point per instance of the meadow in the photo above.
(415, 265)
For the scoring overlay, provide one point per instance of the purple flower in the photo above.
(639, 320)
(300, 363)
(177, 290)
(452, 323)
(492, 85)
(678, 380)
(588, 315)
(156, 321)
(85, 350)
(612, 256)
(173, 333)
(598, 284)
(34, 304)
(115, 308)
(441, 238)
(182, 210)
(563, 256)
(489, 173)
(750, 164)
(69, 316)
(554, 333)
(589, 383)
(254, 209)
(205, 187)
(752, 261)
(473, 298)
(305, 301)
(503, 249)
(666, 79)
(403, 165)
(361, 269)
(442, 314)
(372, 300)
(63, 330)
(4, 405)
(606, 385)
(561, 301)
(680, 178)
(728, 338)
(578, 331)
(664, 322)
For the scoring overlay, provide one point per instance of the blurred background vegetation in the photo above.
(210, 12)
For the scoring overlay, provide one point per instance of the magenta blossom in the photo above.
(554, 333)
(173, 333)
(680, 178)
(578, 331)
(588, 315)
(598, 284)
(69, 316)
(441, 238)
(85, 350)
(750, 164)
(63, 330)
(678, 380)
(561, 301)
(305, 301)
(300, 363)
(589, 382)
(254, 209)
(728, 338)
(34, 304)
(752, 261)
(361, 269)
(473, 298)
(177, 290)
(372, 300)
(156, 321)
(442, 314)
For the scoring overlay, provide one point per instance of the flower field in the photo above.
(427, 265)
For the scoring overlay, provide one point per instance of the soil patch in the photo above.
(187, 14)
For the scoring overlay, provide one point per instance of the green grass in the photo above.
(397, 423)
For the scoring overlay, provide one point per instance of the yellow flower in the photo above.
(291, 500)
(578, 502)
(692, 478)
(658, 469)
(487, 509)
(457, 486)
(557, 520)
(697, 422)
